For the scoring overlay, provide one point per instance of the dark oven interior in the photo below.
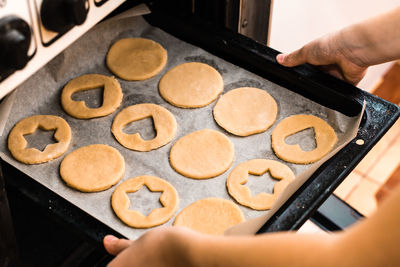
(248, 17)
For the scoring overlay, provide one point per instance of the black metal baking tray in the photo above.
(259, 59)
(307, 81)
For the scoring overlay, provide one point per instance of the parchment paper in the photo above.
(41, 95)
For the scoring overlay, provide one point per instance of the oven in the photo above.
(236, 31)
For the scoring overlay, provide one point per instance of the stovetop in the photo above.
(32, 32)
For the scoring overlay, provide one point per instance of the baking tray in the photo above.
(258, 59)
(307, 81)
(41, 93)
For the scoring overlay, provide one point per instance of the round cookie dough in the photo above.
(191, 85)
(210, 216)
(164, 124)
(325, 138)
(169, 199)
(238, 178)
(202, 154)
(92, 168)
(17, 143)
(245, 111)
(112, 96)
(136, 59)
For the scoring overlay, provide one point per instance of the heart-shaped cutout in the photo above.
(304, 138)
(145, 127)
(93, 98)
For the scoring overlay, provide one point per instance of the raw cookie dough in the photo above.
(120, 201)
(112, 96)
(92, 168)
(164, 124)
(325, 139)
(245, 111)
(210, 216)
(238, 178)
(17, 143)
(191, 85)
(202, 154)
(136, 59)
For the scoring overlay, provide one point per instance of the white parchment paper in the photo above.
(41, 95)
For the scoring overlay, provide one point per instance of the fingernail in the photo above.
(280, 58)
(110, 239)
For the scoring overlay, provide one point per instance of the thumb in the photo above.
(291, 60)
(115, 245)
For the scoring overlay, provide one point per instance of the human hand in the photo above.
(163, 246)
(332, 55)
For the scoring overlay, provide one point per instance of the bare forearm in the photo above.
(281, 249)
(373, 242)
(374, 41)
(370, 243)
